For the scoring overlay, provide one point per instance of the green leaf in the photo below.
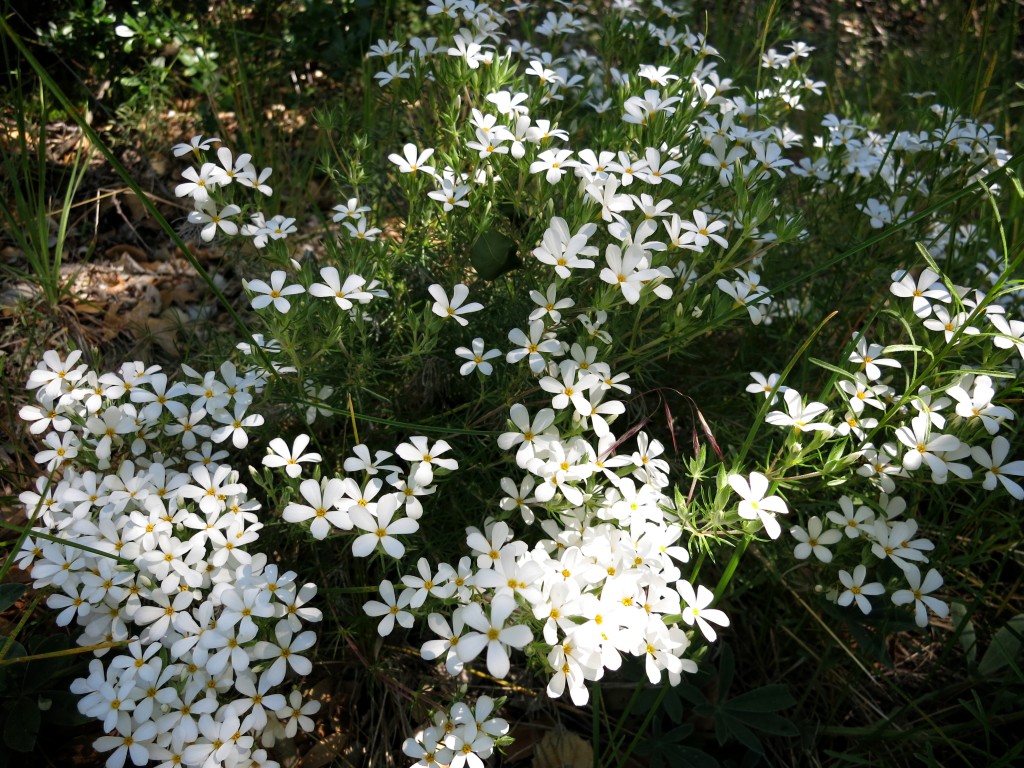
(691, 693)
(726, 668)
(892, 348)
(768, 698)
(1005, 647)
(42, 671)
(737, 729)
(929, 260)
(10, 676)
(64, 709)
(829, 367)
(22, 726)
(1015, 180)
(770, 723)
(16, 651)
(9, 594)
(968, 637)
(673, 705)
(694, 758)
(493, 254)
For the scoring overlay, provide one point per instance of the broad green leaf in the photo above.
(9, 594)
(22, 726)
(16, 651)
(64, 708)
(1005, 647)
(493, 254)
(769, 698)
(11, 675)
(673, 705)
(726, 667)
(42, 671)
(737, 728)
(769, 722)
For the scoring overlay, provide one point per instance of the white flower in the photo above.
(234, 425)
(381, 530)
(857, 590)
(56, 376)
(323, 497)
(136, 741)
(477, 358)
(867, 354)
(949, 325)
(274, 293)
(413, 161)
(926, 288)
(424, 458)
(851, 520)
(628, 270)
(450, 195)
(194, 145)
(199, 183)
(549, 304)
(977, 404)
(700, 232)
(437, 584)
(697, 609)
(897, 543)
(754, 503)
(764, 385)
(562, 250)
(997, 467)
(1011, 333)
(296, 714)
(493, 634)
(352, 210)
(455, 308)
(448, 644)
(918, 594)
(206, 213)
(799, 416)
(360, 232)
(289, 458)
(527, 432)
(923, 445)
(532, 347)
(391, 609)
(554, 163)
(814, 540)
(284, 651)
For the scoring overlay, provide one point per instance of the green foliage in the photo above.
(931, 189)
(34, 693)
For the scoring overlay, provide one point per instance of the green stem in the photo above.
(643, 727)
(66, 543)
(16, 548)
(613, 739)
(734, 562)
(21, 625)
(59, 654)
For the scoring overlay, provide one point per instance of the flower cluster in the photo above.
(142, 531)
(939, 426)
(205, 184)
(463, 736)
